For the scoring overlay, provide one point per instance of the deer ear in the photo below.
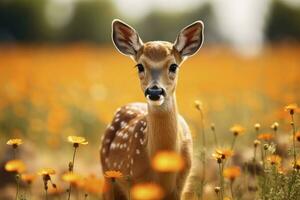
(125, 38)
(190, 39)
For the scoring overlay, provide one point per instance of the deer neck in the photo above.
(162, 127)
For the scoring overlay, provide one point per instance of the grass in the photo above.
(49, 93)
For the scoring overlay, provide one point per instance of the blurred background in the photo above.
(60, 74)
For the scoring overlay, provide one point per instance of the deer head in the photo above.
(157, 62)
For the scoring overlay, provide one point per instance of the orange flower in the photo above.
(298, 136)
(94, 185)
(14, 142)
(167, 161)
(291, 108)
(28, 178)
(76, 140)
(274, 159)
(147, 191)
(17, 166)
(232, 173)
(56, 190)
(71, 177)
(237, 130)
(265, 136)
(113, 174)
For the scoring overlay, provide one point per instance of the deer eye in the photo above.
(140, 68)
(173, 68)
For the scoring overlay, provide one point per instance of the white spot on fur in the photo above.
(112, 128)
(125, 136)
(112, 146)
(123, 124)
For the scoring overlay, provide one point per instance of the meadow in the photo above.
(243, 107)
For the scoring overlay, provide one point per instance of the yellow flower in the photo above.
(167, 161)
(76, 140)
(198, 105)
(237, 130)
(275, 126)
(217, 157)
(28, 178)
(256, 143)
(71, 177)
(113, 174)
(296, 165)
(298, 136)
(224, 153)
(265, 136)
(232, 173)
(257, 126)
(15, 166)
(291, 108)
(46, 171)
(274, 159)
(147, 191)
(217, 189)
(14, 142)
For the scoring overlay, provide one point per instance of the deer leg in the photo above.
(114, 193)
(172, 196)
(184, 181)
(188, 191)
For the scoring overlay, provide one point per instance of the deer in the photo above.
(138, 131)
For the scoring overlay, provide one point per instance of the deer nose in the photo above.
(154, 93)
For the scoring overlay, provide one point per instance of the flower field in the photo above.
(242, 111)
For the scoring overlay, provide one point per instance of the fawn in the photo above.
(140, 130)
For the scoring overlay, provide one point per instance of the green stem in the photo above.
(215, 137)
(112, 188)
(18, 185)
(204, 153)
(15, 153)
(221, 180)
(254, 162)
(233, 142)
(231, 190)
(264, 174)
(294, 138)
(46, 194)
(71, 170)
(73, 159)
